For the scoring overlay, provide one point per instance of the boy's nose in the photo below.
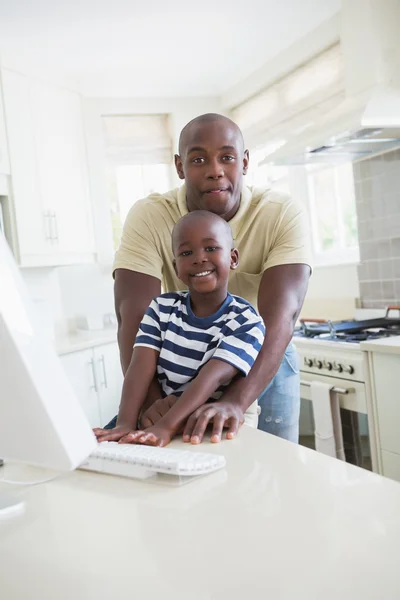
(199, 257)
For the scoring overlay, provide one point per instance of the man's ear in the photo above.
(179, 167)
(246, 160)
(234, 258)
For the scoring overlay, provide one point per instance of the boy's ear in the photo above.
(234, 258)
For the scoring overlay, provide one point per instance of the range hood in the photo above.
(365, 119)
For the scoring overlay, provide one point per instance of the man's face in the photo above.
(213, 162)
(204, 255)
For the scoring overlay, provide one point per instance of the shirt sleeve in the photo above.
(240, 348)
(149, 332)
(293, 238)
(138, 249)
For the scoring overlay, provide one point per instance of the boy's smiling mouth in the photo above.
(203, 273)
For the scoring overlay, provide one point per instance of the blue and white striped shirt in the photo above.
(185, 342)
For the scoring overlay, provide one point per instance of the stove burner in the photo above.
(350, 337)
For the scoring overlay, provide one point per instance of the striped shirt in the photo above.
(185, 342)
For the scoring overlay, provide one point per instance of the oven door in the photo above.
(353, 410)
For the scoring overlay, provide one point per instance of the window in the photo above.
(138, 162)
(263, 174)
(333, 213)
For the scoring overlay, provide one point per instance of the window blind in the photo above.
(137, 139)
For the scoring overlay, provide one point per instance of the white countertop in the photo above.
(389, 345)
(281, 522)
(81, 340)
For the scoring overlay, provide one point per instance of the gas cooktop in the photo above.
(351, 331)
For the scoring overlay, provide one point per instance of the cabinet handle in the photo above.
(104, 382)
(54, 218)
(47, 226)
(94, 385)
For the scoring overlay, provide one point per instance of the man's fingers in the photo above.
(233, 428)
(218, 425)
(201, 425)
(190, 423)
(146, 421)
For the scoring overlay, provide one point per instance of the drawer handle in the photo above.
(335, 389)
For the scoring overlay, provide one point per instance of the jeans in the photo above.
(280, 401)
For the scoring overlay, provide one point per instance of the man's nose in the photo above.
(215, 169)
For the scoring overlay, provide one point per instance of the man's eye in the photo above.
(229, 158)
(198, 160)
(186, 253)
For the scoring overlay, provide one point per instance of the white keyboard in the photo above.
(129, 460)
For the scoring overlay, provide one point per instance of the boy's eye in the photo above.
(186, 253)
(211, 248)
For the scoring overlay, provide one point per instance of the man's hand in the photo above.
(152, 436)
(222, 414)
(111, 435)
(156, 411)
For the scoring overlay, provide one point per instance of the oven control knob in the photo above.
(328, 365)
(308, 362)
(349, 369)
(340, 368)
(319, 364)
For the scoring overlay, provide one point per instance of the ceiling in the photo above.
(155, 47)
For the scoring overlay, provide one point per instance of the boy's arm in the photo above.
(214, 374)
(137, 382)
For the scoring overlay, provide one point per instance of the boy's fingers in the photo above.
(110, 436)
(131, 437)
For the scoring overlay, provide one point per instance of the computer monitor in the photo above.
(41, 420)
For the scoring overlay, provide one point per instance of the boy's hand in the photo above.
(152, 436)
(111, 435)
(156, 411)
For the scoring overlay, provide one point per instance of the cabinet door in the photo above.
(391, 465)
(386, 369)
(61, 164)
(109, 375)
(32, 223)
(80, 370)
(4, 162)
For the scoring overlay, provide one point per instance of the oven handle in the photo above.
(337, 390)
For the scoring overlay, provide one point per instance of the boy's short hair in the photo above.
(202, 214)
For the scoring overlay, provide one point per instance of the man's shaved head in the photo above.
(204, 219)
(190, 130)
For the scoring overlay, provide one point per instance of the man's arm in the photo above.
(133, 293)
(214, 374)
(280, 298)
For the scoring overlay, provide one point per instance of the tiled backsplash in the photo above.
(377, 184)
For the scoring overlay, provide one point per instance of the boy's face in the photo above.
(204, 255)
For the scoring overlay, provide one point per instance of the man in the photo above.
(271, 234)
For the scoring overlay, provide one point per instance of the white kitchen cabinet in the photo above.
(32, 225)
(385, 369)
(95, 375)
(80, 370)
(108, 368)
(48, 172)
(4, 159)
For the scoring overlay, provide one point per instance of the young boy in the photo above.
(196, 341)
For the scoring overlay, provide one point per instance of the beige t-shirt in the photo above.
(269, 229)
